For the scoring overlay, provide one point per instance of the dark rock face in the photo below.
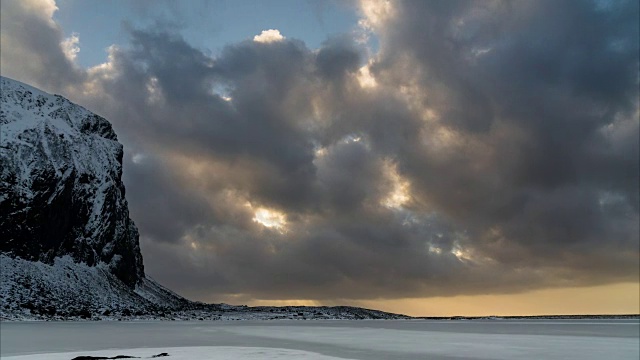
(61, 191)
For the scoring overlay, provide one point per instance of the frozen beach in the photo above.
(367, 339)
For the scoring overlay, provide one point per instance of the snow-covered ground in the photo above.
(365, 339)
(191, 353)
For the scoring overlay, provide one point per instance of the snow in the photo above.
(465, 345)
(335, 339)
(47, 129)
(32, 290)
(41, 130)
(66, 286)
(56, 156)
(190, 353)
(25, 109)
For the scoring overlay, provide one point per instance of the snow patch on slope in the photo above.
(34, 290)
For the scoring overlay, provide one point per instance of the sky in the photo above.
(422, 157)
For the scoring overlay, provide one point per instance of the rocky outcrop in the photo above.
(61, 192)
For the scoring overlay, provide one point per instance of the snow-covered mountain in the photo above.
(61, 191)
(68, 245)
(68, 248)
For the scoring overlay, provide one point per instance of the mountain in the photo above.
(68, 245)
(60, 185)
(68, 248)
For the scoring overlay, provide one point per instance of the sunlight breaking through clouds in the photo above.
(270, 218)
(400, 188)
(365, 78)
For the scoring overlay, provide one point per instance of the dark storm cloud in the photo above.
(164, 209)
(337, 57)
(268, 120)
(555, 77)
(498, 152)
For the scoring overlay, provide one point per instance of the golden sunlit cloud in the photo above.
(70, 46)
(461, 253)
(399, 194)
(269, 36)
(320, 152)
(270, 219)
(365, 78)
(375, 13)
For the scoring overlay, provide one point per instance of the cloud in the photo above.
(526, 116)
(70, 46)
(488, 147)
(33, 47)
(269, 36)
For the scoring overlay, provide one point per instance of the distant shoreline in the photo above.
(532, 317)
(408, 318)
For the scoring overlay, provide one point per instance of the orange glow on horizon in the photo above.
(605, 299)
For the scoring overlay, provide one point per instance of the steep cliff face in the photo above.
(61, 192)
